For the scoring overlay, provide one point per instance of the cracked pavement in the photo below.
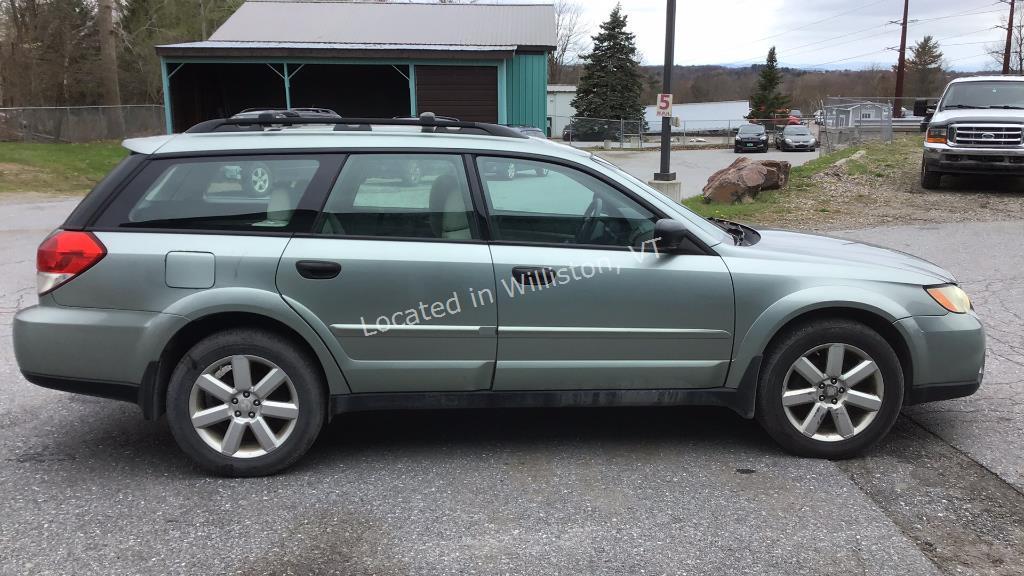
(90, 487)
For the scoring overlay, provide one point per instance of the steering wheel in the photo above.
(589, 220)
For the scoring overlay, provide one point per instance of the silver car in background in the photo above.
(250, 320)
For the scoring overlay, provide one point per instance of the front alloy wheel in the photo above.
(829, 388)
(819, 396)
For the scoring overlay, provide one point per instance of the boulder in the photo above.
(744, 179)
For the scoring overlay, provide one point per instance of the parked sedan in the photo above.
(795, 138)
(751, 138)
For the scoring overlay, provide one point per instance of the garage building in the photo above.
(475, 62)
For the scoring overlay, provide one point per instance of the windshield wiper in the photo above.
(734, 229)
(1008, 107)
(962, 106)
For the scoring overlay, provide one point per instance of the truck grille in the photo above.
(986, 135)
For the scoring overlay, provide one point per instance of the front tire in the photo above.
(246, 402)
(930, 180)
(829, 389)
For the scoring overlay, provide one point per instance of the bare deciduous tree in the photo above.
(570, 39)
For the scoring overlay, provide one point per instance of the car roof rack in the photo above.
(427, 120)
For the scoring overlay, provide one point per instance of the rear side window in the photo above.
(401, 196)
(256, 193)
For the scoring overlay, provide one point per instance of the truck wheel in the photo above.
(829, 389)
(245, 402)
(930, 180)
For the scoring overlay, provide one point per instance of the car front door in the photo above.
(391, 270)
(583, 300)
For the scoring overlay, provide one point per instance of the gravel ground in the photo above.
(91, 488)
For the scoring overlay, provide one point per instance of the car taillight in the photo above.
(64, 255)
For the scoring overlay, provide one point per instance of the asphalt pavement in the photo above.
(89, 487)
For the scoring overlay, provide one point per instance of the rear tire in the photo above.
(930, 180)
(811, 414)
(265, 431)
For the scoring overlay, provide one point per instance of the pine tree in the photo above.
(612, 83)
(767, 99)
(924, 68)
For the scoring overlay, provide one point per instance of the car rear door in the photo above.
(583, 300)
(392, 269)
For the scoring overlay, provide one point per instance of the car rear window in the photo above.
(255, 193)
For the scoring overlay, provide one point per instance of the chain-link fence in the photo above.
(644, 134)
(80, 123)
(851, 121)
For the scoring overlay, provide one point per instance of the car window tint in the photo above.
(401, 196)
(531, 201)
(258, 194)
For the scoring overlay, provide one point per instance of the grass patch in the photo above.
(879, 161)
(56, 168)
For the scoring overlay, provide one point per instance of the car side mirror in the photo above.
(669, 234)
(920, 107)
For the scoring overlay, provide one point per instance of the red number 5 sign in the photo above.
(665, 105)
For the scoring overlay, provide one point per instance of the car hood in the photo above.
(798, 138)
(980, 115)
(888, 264)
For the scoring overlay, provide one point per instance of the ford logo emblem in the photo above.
(988, 136)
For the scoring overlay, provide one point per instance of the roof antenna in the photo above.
(429, 121)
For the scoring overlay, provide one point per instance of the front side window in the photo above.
(401, 196)
(238, 194)
(531, 201)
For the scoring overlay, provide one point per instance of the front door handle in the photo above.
(533, 275)
(318, 269)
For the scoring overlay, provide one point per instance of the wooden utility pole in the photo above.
(665, 175)
(901, 69)
(108, 68)
(1009, 40)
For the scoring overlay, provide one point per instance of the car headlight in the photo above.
(789, 140)
(937, 135)
(764, 137)
(738, 137)
(951, 297)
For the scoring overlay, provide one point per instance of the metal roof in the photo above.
(403, 25)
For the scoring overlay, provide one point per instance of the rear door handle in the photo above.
(535, 275)
(318, 269)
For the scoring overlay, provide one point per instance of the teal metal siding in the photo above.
(527, 90)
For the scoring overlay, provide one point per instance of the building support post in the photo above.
(412, 90)
(502, 96)
(166, 79)
(665, 180)
(287, 87)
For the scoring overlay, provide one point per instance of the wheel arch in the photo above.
(152, 395)
(879, 314)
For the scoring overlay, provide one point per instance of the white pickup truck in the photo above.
(977, 127)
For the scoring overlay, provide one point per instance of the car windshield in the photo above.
(751, 129)
(994, 94)
(796, 131)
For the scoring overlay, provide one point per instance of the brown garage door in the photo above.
(468, 93)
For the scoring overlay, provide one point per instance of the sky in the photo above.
(822, 34)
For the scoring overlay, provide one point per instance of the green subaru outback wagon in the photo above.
(511, 271)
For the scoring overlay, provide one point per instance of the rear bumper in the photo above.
(949, 160)
(948, 356)
(91, 351)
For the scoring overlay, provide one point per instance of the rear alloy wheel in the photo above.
(929, 180)
(830, 389)
(245, 403)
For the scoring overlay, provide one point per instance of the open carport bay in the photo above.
(90, 487)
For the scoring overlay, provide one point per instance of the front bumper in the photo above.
(750, 145)
(947, 159)
(948, 356)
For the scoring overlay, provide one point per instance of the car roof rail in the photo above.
(427, 120)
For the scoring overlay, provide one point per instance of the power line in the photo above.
(852, 57)
(802, 26)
